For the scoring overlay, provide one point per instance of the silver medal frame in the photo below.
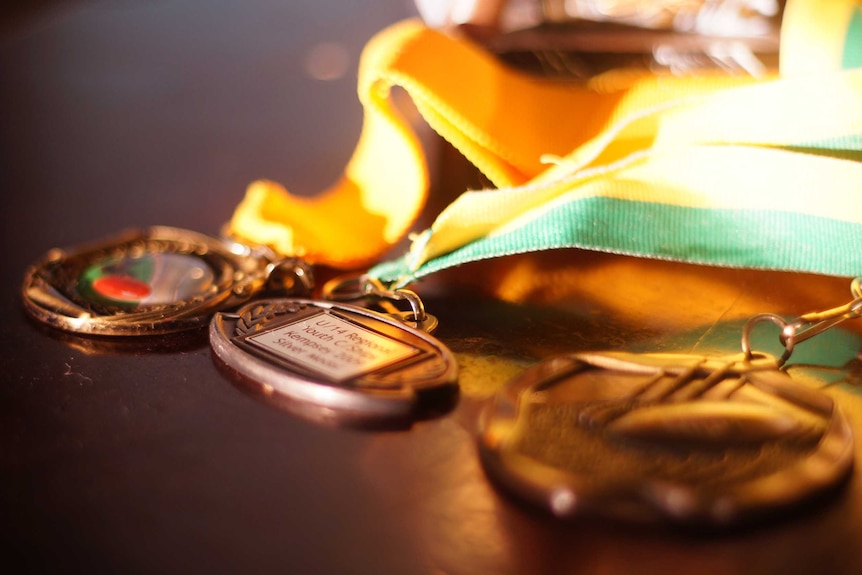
(395, 393)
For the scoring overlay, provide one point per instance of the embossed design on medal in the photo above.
(336, 363)
(690, 439)
(153, 281)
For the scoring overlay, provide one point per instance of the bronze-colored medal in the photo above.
(649, 437)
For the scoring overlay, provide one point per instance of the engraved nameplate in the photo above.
(332, 347)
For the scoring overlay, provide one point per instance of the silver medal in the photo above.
(335, 362)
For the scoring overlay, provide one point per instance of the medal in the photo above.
(661, 437)
(153, 281)
(326, 360)
(335, 362)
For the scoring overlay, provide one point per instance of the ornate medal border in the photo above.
(49, 289)
(567, 495)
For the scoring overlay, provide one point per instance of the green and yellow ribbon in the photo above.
(711, 169)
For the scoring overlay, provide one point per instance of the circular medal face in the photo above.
(335, 363)
(688, 439)
(146, 282)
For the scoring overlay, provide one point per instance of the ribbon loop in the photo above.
(711, 169)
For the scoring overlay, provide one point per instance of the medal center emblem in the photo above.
(655, 437)
(150, 279)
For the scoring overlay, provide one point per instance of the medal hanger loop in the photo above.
(292, 275)
(289, 274)
(805, 326)
(375, 288)
(366, 287)
(786, 337)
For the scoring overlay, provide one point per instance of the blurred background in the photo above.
(110, 104)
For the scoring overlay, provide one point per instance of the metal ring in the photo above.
(344, 288)
(414, 300)
(354, 288)
(788, 331)
(299, 272)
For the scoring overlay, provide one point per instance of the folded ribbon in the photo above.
(716, 169)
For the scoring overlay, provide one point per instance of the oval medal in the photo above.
(335, 362)
(649, 437)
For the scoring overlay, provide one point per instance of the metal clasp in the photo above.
(805, 326)
(290, 275)
(266, 269)
(371, 290)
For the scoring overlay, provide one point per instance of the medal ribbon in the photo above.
(711, 169)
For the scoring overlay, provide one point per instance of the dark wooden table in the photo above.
(124, 114)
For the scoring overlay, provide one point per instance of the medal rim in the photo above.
(44, 299)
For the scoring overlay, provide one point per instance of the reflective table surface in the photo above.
(148, 459)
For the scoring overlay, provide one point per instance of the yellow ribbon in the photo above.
(661, 131)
